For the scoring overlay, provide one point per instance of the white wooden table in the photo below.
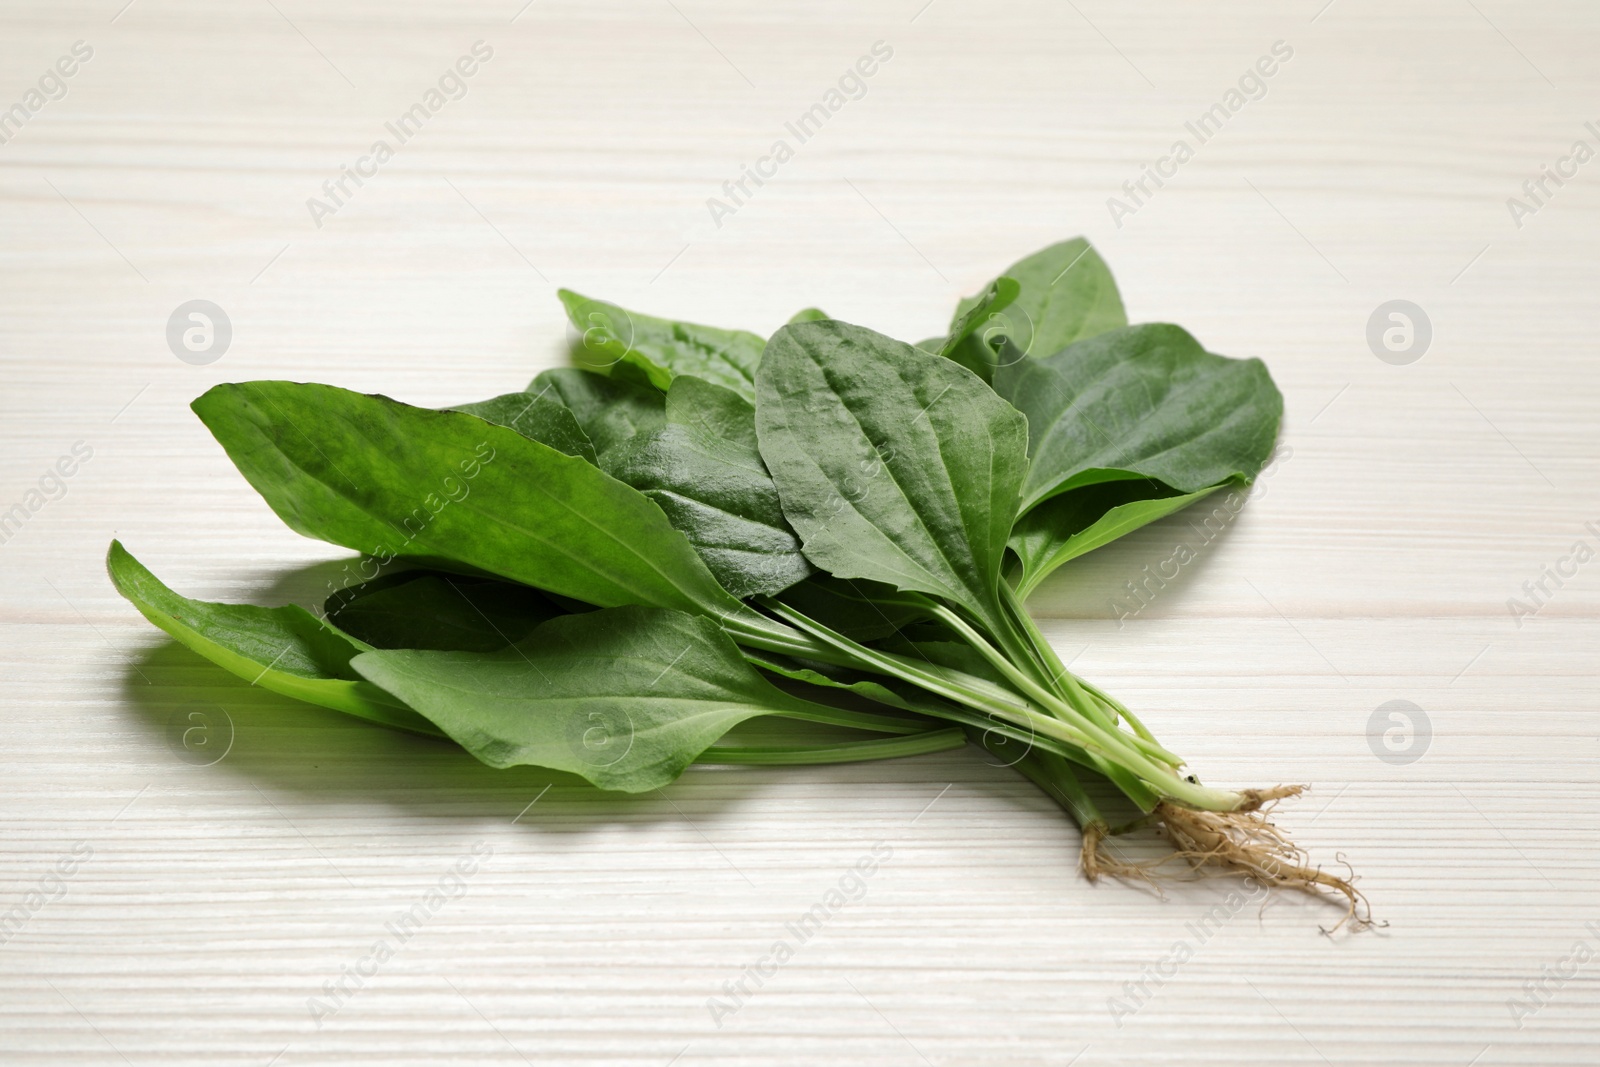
(207, 905)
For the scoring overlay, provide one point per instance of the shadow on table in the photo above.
(220, 731)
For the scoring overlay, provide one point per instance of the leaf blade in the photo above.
(512, 506)
(893, 464)
(625, 697)
(705, 472)
(1142, 402)
(285, 650)
(1066, 294)
(1075, 523)
(664, 348)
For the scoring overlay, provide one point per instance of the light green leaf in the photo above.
(625, 697)
(286, 650)
(1067, 294)
(704, 470)
(809, 315)
(970, 337)
(1142, 402)
(893, 464)
(663, 348)
(392, 480)
(1082, 520)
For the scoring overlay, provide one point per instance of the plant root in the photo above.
(1096, 859)
(1242, 842)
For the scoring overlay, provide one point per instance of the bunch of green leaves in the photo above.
(607, 572)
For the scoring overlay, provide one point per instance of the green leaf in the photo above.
(809, 315)
(705, 472)
(609, 408)
(1067, 294)
(1073, 523)
(956, 655)
(662, 348)
(969, 340)
(860, 609)
(286, 650)
(535, 415)
(893, 464)
(1142, 402)
(434, 610)
(878, 688)
(625, 697)
(392, 480)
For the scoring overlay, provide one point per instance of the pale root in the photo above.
(1241, 842)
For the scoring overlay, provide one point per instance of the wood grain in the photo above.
(1375, 564)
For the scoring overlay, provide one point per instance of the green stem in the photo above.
(1092, 723)
(942, 681)
(856, 720)
(1056, 778)
(1076, 728)
(916, 744)
(1121, 709)
(1080, 691)
(1060, 679)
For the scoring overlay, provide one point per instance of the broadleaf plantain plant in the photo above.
(610, 570)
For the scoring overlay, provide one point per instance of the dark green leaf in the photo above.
(860, 609)
(286, 650)
(893, 464)
(625, 697)
(1142, 402)
(705, 472)
(609, 408)
(535, 415)
(662, 348)
(434, 610)
(392, 480)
